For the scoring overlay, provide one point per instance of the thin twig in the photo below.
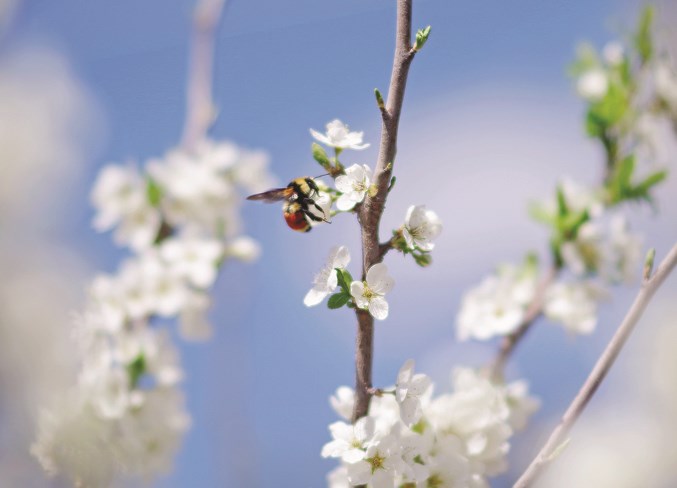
(369, 213)
(200, 112)
(534, 311)
(599, 372)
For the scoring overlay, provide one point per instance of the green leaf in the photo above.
(136, 369)
(609, 110)
(320, 156)
(153, 192)
(594, 125)
(338, 300)
(421, 38)
(625, 170)
(651, 181)
(573, 223)
(562, 207)
(540, 213)
(643, 40)
(344, 279)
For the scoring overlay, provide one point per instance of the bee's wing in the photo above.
(271, 196)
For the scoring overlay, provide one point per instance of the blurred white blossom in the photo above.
(613, 53)
(497, 306)
(593, 85)
(574, 305)
(181, 221)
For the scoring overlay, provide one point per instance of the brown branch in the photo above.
(599, 372)
(534, 311)
(199, 105)
(369, 213)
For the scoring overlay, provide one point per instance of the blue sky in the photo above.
(490, 123)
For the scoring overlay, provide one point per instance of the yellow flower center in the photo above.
(376, 462)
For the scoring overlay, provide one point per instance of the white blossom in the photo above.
(613, 53)
(408, 391)
(339, 136)
(421, 228)
(497, 306)
(381, 464)
(353, 185)
(593, 85)
(120, 197)
(574, 305)
(349, 441)
(369, 294)
(326, 280)
(243, 248)
(196, 191)
(193, 258)
(343, 401)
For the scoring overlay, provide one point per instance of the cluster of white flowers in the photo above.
(410, 438)
(420, 228)
(603, 252)
(497, 306)
(126, 413)
(368, 294)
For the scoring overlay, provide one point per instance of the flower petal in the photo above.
(378, 279)
(314, 297)
(410, 411)
(341, 258)
(378, 308)
(345, 202)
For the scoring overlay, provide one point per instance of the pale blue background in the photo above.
(490, 122)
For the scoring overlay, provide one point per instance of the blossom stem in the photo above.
(370, 211)
(599, 372)
(199, 105)
(533, 313)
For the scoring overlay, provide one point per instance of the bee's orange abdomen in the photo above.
(295, 218)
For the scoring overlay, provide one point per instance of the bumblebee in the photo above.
(299, 198)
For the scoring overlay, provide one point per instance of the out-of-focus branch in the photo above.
(534, 311)
(369, 213)
(599, 372)
(199, 104)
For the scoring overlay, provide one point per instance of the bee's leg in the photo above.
(314, 217)
(313, 186)
(312, 202)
